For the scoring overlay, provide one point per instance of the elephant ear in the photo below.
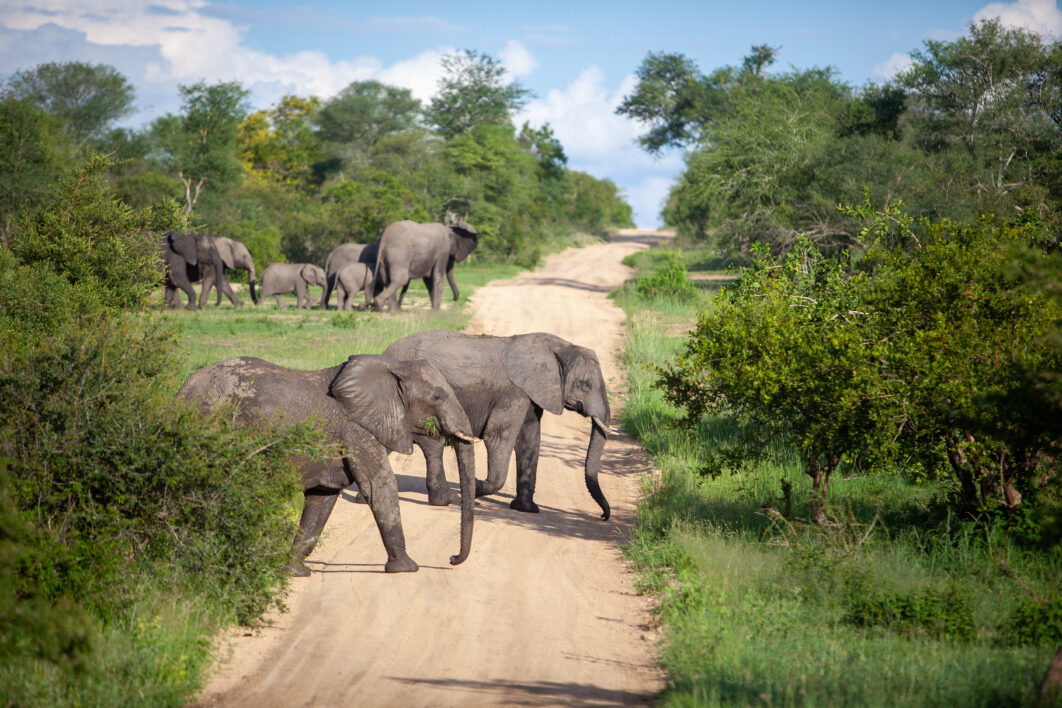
(530, 363)
(307, 273)
(184, 245)
(224, 247)
(463, 240)
(368, 390)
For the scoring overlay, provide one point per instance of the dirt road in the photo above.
(543, 613)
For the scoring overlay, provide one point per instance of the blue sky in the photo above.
(578, 57)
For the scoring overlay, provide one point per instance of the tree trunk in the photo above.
(1052, 685)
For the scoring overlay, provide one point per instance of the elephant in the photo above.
(504, 384)
(339, 257)
(185, 256)
(352, 278)
(291, 277)
(410, 250)
(369, 404)
(235, 256)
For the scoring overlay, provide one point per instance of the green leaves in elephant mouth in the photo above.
(430, 427)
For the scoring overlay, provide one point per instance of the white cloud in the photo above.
(597, 141)
(1040, 16)
(517, 59)
(420, 74)
(892, 66)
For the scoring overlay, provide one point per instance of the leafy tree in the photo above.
(552, 164)
(200, 144)
(87, 98)
(281, 141)
(473, 92)
(360, 116)
(33, 154)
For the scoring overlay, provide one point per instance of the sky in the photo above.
(578, 57)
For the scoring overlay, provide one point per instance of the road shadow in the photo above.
(565, 283)
(649, 239)
(536, 693)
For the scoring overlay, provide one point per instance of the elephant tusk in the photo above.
(466, 438)
(603, 427)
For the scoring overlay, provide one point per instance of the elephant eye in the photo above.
(583, 385)
(436, 395)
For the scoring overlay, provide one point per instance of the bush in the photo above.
(668, 281)
(1036, 621)
(940, 614)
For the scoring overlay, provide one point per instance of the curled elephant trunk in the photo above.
(598, 433)
(467, 470)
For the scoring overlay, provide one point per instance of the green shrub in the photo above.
(668, 281)
(1035, 621)
(940, 614)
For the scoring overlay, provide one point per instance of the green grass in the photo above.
(314, 338)
(756, 608)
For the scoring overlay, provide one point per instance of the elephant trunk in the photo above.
(250, 283)
(598, 433)
(467, 470)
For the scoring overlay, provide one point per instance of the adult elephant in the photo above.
(410, 250)
(185, 256)
(234, 256)
(341, 256)
(504, 384)
(353, 278)
(280, 278)
(369, 404)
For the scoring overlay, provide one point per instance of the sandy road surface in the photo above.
(543, 613)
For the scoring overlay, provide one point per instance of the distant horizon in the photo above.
(578, 59)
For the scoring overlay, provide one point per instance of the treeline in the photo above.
(902, 310)
(294, 180)
(972, 126)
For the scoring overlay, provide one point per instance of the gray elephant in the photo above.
(369, 404)
(235, 256)
(185, 256)
(341, 256)
(410, 250)
(504, 384)
(280, 278)
(353, 278)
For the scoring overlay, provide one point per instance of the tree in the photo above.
(200, 144)
(34, 152)
(983, 94)
(473, 92)
(360, 116)
(281, 141)
(87, 98)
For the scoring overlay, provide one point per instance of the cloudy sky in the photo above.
(577, 56)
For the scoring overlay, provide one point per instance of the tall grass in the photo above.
(896, 603)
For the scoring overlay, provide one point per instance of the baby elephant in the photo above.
(291, 277)
(354, 277)
(369, 405)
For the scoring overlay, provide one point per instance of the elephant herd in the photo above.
(424, 389)
(405, 251)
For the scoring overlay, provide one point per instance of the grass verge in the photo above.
(898, 602)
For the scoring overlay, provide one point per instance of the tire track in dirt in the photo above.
(543, 613)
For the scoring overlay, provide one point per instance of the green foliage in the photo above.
(280, 142)
(472, 93)
(357, 118)
(1036, 621)
(200, 143)
(668, 281)
(87, 98)
(33, 154)
(947, 614)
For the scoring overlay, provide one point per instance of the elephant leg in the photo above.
(438, 490)
(378, 487)
(395, 279)
(276, 296)
(528, 443)
(453, 282)
(499, 437)
(435, 288)
(301, 295)
(207, 286)
(402, 294)
(315, 512)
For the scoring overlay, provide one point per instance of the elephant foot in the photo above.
(189, 307)
(298, 569)
(444, 499)
(527, 506)
(485, 488)
(401, 565)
